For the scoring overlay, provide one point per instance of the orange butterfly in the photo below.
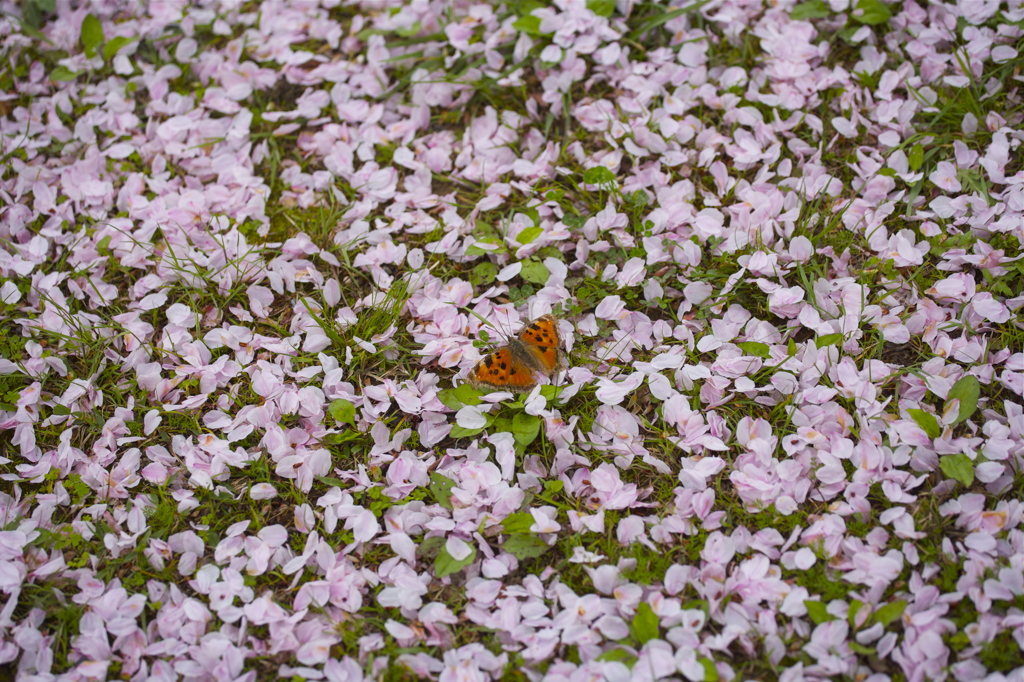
(536, 349)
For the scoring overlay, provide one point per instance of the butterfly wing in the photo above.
(501, 371)
(544, 342)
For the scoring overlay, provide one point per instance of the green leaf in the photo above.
(927, 421)
(553, 487)
(966, 390)
(346, 436)
(62, 75)
(815, 9)
(449, 399)
(92, 35)
(602, 8)
(855, 607)
(645, 624)
(755, 348)
(343, 411)
(959, 467)
(791, 348)
(495, 244)
(529, 235)
(846, 33)
(61, 411)
(103, 246)
(710, 671)
(525, 428)
(599, 175)
(619, 656)
(484, 273)
(535, 271)
(441, 488)
(445, 564)
(409, 31)
(8, 407)
(818, 612)
(517, 523)
(525, 546)
(114, 46)
(828, 340)
(462, 432)
(529, 25)
(860, 649)
(890, 612)
(871, 12)
(330, 481)
(915, 158)
(466, 394)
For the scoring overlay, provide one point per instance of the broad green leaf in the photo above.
(966, 390)
(92, 35)
(529, 25)
(114, 46)
(449, 399)
(915, 158)
(525, 428)
(529, 235)
(461, 432)
(535, 271)
(927, 421)
(855, 607)
(525, 546)
(445, 564)
(466, 394)
(890, 612)
(602, 8)
(791, 348)
(484, 273)
(619, 655)
(871, 12)
(441, 488)
(818, 612)
(638, 199)
(598, 175)
(61, 74)
(959, 467)
(828, 340)
(710, 671)
(343, 411)
(815, 9)
(517, 523)
(61, 411)
(846, 33)
(346, 436)
(331, 481)
(553, 487)
(755, 348)
(645, 624)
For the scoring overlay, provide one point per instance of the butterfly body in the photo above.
(536, 349)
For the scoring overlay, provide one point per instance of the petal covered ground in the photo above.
(247, 250)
